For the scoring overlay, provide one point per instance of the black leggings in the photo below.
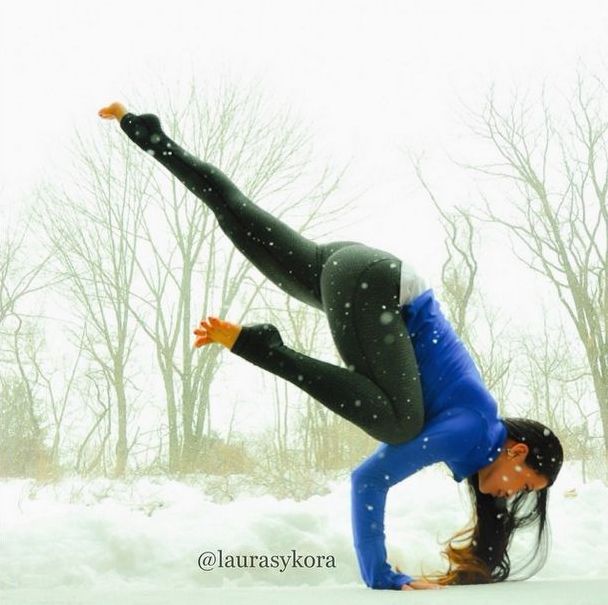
(356, 286)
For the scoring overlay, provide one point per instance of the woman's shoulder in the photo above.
(464, 421)
(472, 394)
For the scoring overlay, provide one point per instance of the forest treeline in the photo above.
(103, 281)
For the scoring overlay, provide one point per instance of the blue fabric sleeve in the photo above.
(449, 436)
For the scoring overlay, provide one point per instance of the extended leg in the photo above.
(380, 391)
(288, 259)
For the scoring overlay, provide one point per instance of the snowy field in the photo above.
(106, 541)
(589, 592)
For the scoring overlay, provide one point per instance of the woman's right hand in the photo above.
(421, 585)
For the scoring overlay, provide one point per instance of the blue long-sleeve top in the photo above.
(462, 429)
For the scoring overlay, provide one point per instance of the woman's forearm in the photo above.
(368, 499)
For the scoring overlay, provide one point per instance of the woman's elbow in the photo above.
(359, 480)
(362, 479)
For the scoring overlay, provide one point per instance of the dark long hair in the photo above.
(483, 558)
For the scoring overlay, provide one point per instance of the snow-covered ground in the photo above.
(556, 592)
(135, 542)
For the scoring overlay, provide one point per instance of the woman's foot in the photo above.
(214, 329)
(115, 111)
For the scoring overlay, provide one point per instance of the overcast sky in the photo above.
(370, 78)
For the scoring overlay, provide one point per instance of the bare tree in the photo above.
(21, 421)
(133, 248)
(92, 233)
(266, 155)
(560, 216)
(92, 454)
(459, 275)
(37, 380)
(557, 383)
(17, 280)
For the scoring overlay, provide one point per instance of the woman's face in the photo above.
(509, 474)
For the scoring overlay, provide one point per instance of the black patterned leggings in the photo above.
(356, 286)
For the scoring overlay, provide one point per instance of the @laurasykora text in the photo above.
(213, 559)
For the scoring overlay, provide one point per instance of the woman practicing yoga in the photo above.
(409, 381)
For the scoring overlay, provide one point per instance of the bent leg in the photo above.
(360, 290)
(349, 394)
(288, 259)
(380, 391)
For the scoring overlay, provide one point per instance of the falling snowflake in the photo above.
(386, 317)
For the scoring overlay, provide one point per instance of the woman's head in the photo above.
(524, 471)
(530, 461)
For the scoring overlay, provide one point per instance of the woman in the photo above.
(409, 381)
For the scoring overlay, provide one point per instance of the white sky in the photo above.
(371, 78)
